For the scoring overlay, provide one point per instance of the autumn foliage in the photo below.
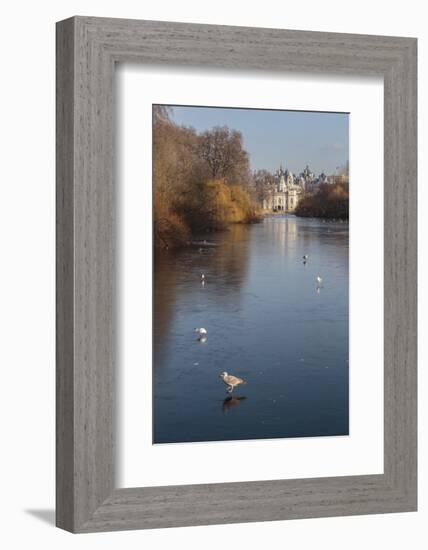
(202, 181)
(331, 201)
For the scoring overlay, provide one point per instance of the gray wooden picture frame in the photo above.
(87, 50)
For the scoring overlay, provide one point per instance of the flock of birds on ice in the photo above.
(230, 380)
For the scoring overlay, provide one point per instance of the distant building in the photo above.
(286, 192)
(286, 189)
(307, 176)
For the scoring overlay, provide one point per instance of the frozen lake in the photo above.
(267, 322)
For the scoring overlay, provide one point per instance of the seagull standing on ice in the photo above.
(231, 381)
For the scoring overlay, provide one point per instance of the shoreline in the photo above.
(279, 214)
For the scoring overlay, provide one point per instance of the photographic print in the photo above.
(250, 279)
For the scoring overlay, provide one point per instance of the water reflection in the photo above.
(231, 402)
(264, 321)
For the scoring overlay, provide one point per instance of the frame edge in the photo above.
(65, 98)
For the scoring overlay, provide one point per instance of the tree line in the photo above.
(331, 201)
(202, 181)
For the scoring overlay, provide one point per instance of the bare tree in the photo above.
(198, 180)
(263, 183)
(222, 150)
(161, 113)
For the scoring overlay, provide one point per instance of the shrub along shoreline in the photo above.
(331, 201)
(202, 182)
(216, 206)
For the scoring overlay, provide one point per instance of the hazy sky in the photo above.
(293, 138)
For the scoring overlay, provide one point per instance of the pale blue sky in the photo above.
(293, 138)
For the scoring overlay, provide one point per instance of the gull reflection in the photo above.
(230, 402)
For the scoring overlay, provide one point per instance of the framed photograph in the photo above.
(236, 274)
(239, 244)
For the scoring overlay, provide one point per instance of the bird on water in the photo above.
(305, 257)
(202, 334)
(231, 381)
(319, 280)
